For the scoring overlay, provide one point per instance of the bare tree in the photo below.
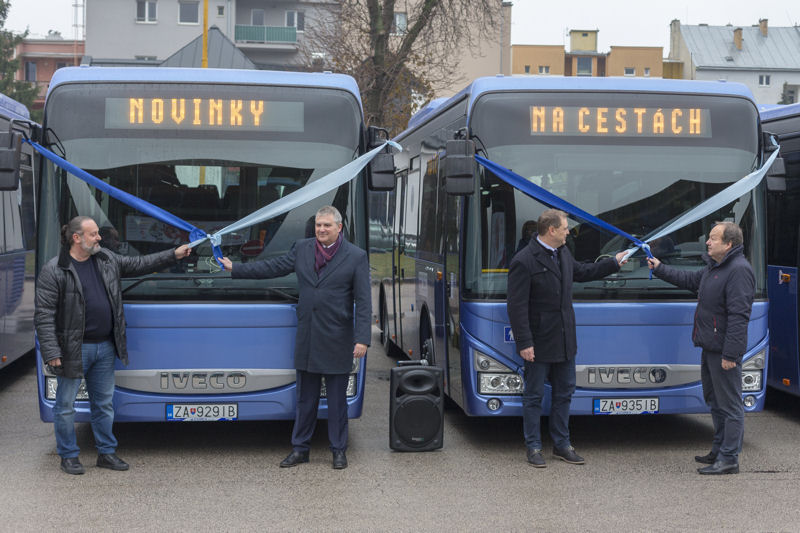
(400, 51)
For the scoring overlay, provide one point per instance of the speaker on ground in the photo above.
(416, 408)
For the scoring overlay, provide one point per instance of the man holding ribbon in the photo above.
(332, 277)
(725, 289)
(80, 324)
(543, 322)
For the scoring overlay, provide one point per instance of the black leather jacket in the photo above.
(60, 308)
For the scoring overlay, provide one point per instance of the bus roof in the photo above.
(324, 80)
(778, 112)
(581, 83)
(13, 109)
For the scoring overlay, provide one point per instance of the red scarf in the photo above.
(322, 255)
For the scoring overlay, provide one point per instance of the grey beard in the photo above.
(91, 250)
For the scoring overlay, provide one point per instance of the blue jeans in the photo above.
(98, 370)
(562, 382)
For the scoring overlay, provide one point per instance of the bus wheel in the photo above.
(385, 342)
(427, 352)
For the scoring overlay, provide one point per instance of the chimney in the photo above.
(762, 24)
(737, 38)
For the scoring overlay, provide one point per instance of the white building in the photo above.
(758, 56)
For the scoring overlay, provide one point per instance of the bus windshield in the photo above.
(209, 154)
(635, 161)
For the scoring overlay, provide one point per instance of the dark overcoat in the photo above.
(326, 331)
(540, 299)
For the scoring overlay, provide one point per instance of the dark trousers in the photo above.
(562, 381)
(722, 390)
(305, 420)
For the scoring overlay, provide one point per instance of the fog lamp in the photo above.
(494, 404)
(749, 400)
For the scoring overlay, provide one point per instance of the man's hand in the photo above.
(360, 350)
(727, 365)
(527, 354)
(227, 264)
(621, 257)
(653, 263)
(57, 362)
(182, 251)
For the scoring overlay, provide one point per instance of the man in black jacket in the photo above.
(725, 290)
(80, 326)
(543, 321)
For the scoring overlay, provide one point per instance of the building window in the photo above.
(527, 69)
(584, 66)
(145, 11)
(647, 71)
(296, 19)
(30, 71)
(763, 80)
(630, 71)
(544, 69)
(400, 24)
(189, 12)
(220, 11)
(257, 17)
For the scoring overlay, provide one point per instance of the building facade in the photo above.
(765, 59)
(40, 58)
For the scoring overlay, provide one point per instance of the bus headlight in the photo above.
(753, 372)
(51, 384)
(495, 377)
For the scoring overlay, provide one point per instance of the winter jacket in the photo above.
(60, 307)
(725, 293)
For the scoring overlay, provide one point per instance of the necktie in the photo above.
(554, 255)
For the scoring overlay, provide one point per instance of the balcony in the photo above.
(266, 36)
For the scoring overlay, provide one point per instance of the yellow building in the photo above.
(641, 61)
(537, 59)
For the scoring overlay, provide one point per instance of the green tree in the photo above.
(786, 95)
(400, 51)
(22, 91)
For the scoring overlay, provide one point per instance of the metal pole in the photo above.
(204, 63)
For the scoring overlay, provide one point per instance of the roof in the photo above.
(222, 53)
(777, 112)
(85, 74)
(712, 47)
(501, 83)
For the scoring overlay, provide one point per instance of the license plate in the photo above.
(202, 412)
(625, 406)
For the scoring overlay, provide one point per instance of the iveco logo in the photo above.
(203, 380)
(625, 375)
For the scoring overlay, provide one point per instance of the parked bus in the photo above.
(783, 232)
(636, 153)
(210, 146)
(18, 236)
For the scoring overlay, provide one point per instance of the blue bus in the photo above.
(18, 235)
(783, 231)
(210, 146)
(636, 153)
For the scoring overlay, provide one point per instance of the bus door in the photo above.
(407, 310)
(452, 222)
(399, 252)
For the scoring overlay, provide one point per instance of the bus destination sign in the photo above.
(620, 121)
(203, 114)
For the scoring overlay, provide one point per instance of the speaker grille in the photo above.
(417, 421)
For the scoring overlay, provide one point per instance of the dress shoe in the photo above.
(294, 459)
(707, 459)
(72, 465)
(339, 460)
(535, 457)
(719, 467)
(568, 455)
(111, 461)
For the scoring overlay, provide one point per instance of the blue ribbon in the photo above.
(546, 197)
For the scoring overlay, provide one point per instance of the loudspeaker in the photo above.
(416, 408)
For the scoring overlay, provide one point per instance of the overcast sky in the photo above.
(621, 22)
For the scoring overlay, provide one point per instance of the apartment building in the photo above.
(40, 58)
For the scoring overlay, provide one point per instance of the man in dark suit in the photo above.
(332, 275)
(543, 321)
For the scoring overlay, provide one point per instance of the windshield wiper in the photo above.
(281, 291)
(158, 277)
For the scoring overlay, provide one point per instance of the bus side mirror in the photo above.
(10, 144)
(381, 168)
(460, 167)
(381, 172)
(776, 176)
